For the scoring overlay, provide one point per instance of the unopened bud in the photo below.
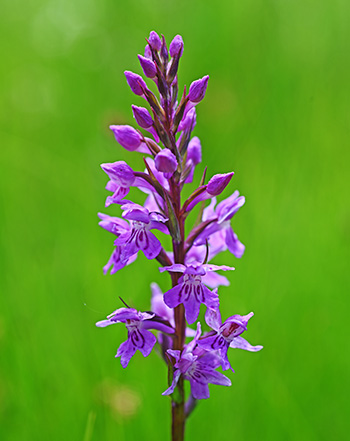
(142, 117)
(218, 183)
(189, 121)
(127, 136)
(154, 41)
(194, 150)
(148, 52)
(135, 82)
(148, 66)
(197, 89)
(165, 161)
(176, 46)
(164, 51)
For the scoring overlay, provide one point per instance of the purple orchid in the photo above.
(137, 236)
(139, 338)
(222, 215)
(227, 334)
(162, 310)
(198, 367)
(172, 155)
(121, 177)
(190, 290)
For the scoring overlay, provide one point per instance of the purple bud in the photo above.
(135, 82)
(164, 50)
(197, 89)
(194, 150)
(148, 53)
(166, 161)
(142, 117)
(148, 66)
(119, 172)
(127, 136)
(218, 183)
(154, 41)
(176, 46)
(189, 121)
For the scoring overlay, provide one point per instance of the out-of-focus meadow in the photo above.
(277, 113)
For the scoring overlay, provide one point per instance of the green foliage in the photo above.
(277, 113)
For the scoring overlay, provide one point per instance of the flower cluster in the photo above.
(171, 155)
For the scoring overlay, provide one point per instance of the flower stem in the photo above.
(178, 414)
(178, 404)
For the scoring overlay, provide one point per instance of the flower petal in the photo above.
(233, 244)
(213, 317)
(211, 298)
(124, 314)
(114, 262)
(118, 196)
(125, 351)
(210, 267)
(149, 342)
(214, 280)
(128, 250)
(149, 244)
(160, 226)
(114, 225)
(241, 343)
(135, 212)
(158, 326)
(199, 390)
(171, 389)
(215, 377)
(158, 306)
(176, 268)
(104, 323)
(192, 307)
(173, 297)
(174, 353)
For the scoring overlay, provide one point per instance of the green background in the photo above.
(277, 113)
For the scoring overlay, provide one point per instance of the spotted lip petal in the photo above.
(191, 293)
(115, 262)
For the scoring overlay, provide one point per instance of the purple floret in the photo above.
(139, 338)
(221, 227)
(190, 290)
(136, 235)
(225, 335)
(198, 367)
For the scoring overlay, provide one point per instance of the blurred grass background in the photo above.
(277, 113)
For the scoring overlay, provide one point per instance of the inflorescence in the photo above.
(171, 156)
